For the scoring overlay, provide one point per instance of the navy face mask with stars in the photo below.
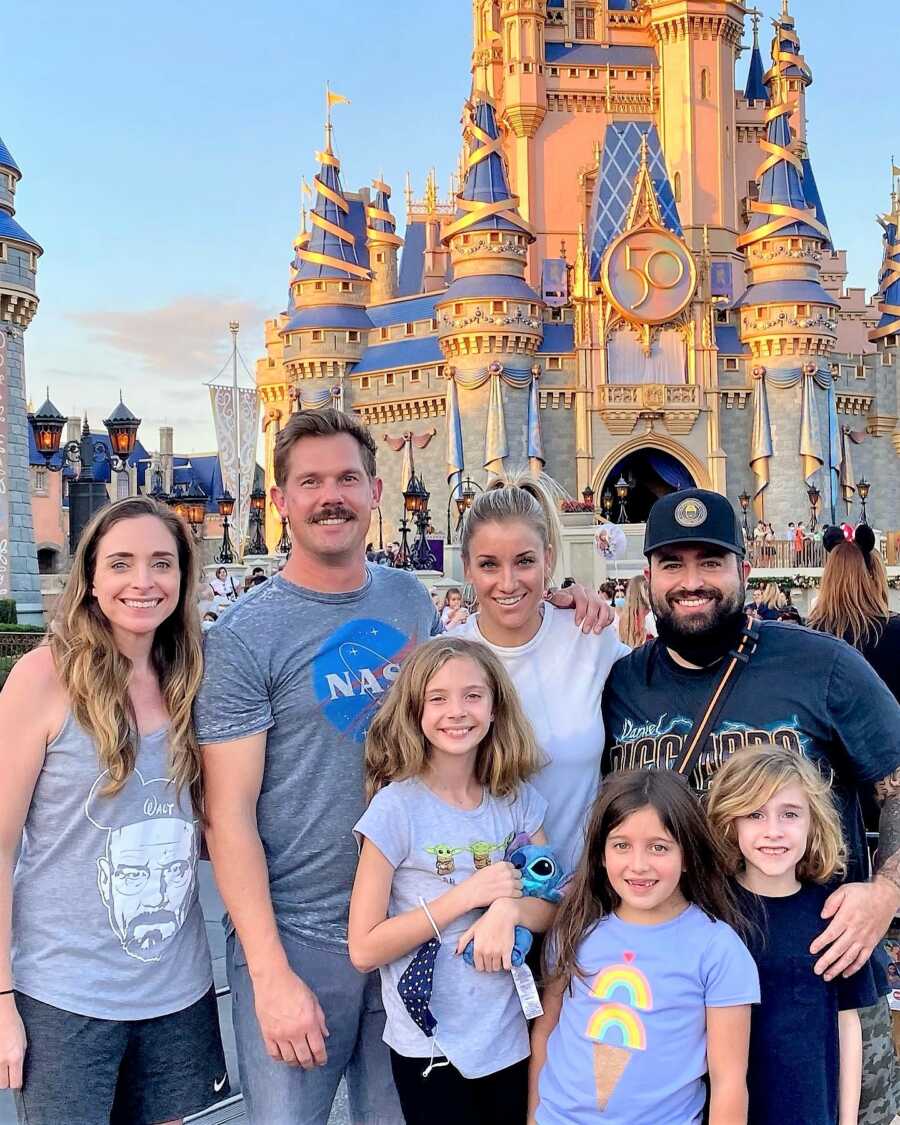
(416, 985)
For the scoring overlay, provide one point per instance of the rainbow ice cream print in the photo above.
(616, 1028)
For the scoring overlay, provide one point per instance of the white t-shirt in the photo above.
(559, 675)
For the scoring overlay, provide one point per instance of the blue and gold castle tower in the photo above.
(633, 279)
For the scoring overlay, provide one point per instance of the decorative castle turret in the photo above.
(383, 243)
(330, 288)
(489, 320)
(697, 43)
(786, 317)
(755, 90)
(18, 303)
(886, 335)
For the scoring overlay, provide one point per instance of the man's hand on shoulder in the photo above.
(592, 613)
(860, 913)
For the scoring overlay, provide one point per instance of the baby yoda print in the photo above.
(482, 851)
(444, 862)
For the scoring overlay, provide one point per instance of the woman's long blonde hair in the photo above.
(96, 675)
(633, 621)
(853, 598)
(396, 748)
(772, 597)
(751, 778)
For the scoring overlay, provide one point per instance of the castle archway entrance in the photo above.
(649, 474)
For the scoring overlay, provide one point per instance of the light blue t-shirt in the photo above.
(630, 1045)
(432, 846)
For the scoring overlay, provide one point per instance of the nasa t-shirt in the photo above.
(310, 669)
(802, 690)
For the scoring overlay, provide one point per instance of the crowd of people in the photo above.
(532, 855)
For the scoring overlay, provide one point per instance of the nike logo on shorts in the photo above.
(220, 1085)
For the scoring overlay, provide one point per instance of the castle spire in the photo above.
(485, 202)
(331, 249)
(755, 90)
(383, 244)
(889, 277)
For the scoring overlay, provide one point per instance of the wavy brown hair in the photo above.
(96, 675)
(853, 598)
(396, 748)
(590, 897)
(751, 778)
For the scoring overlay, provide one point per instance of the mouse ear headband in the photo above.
(864, 538)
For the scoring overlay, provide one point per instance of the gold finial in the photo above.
(785, 10)
(755, 15)
(597, 151)
(645, 151)
(407, 191)
(431, 192)
(562, 249)
(608, 92)
(651, 89)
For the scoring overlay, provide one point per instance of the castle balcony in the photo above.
(623, 405)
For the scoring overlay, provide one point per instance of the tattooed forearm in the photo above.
(887, 793)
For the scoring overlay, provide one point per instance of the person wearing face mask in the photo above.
(714, 684)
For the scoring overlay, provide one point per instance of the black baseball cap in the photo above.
(693, 515)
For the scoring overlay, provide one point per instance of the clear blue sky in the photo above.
(162, 146)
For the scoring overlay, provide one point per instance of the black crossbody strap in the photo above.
(738, 659)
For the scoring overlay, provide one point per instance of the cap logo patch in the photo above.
(690, 513)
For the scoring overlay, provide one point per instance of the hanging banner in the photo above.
(226, 422)
(4, 469)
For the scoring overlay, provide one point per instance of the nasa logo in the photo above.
(690, 513)
(353, 670)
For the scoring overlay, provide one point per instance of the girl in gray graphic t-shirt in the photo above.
(447, 760)
(107, 951)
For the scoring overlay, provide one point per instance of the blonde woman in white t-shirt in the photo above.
(510, 544)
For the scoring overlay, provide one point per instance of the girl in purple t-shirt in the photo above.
(648, 985)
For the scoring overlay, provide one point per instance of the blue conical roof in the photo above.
(782, 183)
(889, 278)
(6, 159)
(380, 218)
(331, 249)
(486, 182)
(755, 90)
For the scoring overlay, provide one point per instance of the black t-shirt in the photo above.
(794, 1050)
(804, 690)
(883, 653)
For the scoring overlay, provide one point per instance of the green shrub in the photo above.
(8, 611)
(22, 628)
(6, 663)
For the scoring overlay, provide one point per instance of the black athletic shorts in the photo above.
(85, 1071)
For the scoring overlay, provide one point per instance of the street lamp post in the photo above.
(744, 501)
(814, 496)
(463, 501)
(87, 495)
(607, 501)
(622, 490)
(415, 501)
(862, 488)
(189, 502)
(257, 514)
(284, 543)
(226, 507)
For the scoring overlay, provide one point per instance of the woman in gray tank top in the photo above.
(107, 1011)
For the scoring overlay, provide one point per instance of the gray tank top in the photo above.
(106, 919)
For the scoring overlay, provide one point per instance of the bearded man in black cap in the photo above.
(799, 689)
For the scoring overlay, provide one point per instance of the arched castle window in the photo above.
(704, 83)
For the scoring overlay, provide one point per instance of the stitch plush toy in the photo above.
(542, 877)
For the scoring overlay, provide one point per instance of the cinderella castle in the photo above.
(633, 281)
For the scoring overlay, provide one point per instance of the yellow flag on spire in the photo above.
(895, 171)
(307, 190)
(336, 99)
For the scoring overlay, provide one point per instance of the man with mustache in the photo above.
(293, 674)
(802, 690)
